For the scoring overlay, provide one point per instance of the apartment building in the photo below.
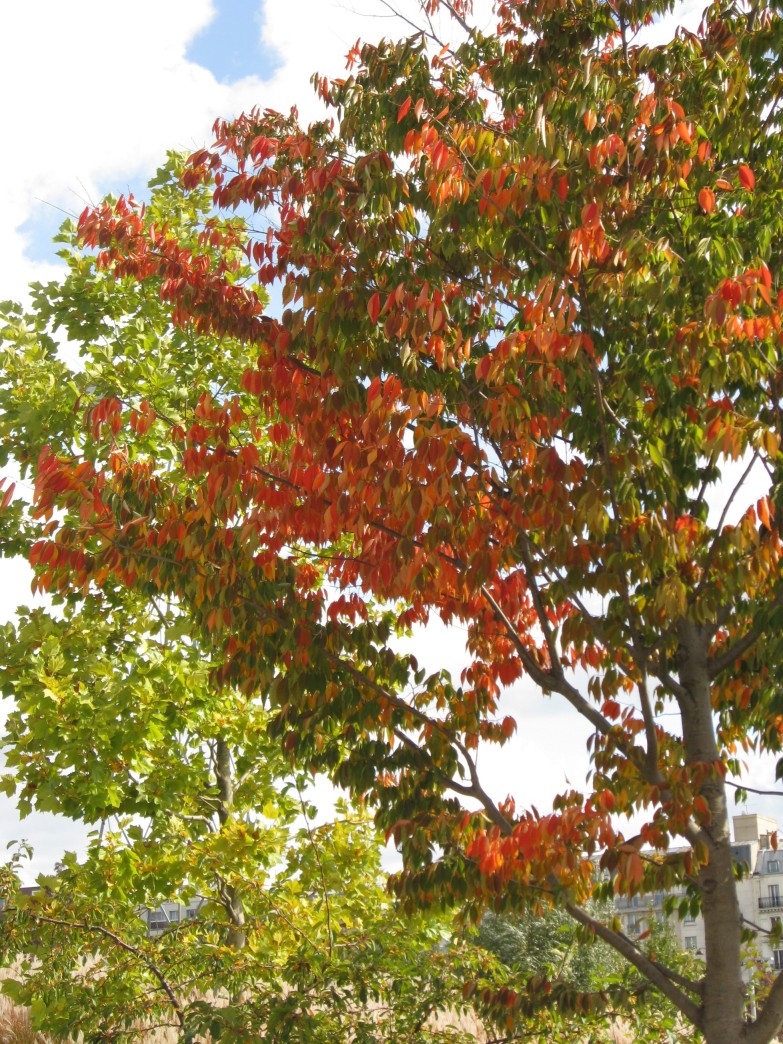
(169, 914)
(760, 893)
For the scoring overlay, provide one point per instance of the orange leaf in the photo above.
(747, 177)
(762, 509)
(508, 726)
(706, 200)
(403, 110)
(418, 107)
(374, 307)
(439, 156)
(590, 120)
(684, 132)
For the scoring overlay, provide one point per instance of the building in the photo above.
(760, 894)
(169, 914)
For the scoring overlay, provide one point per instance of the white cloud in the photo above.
(95, 93)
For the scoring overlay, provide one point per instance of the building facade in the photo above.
(759, 892)
(169, 914)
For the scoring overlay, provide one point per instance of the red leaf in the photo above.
(483, 367)
(591, 215)
(747, 177)
(508, 726)
(706, 200)
(684, 131)
(403, 110)
(374, 307)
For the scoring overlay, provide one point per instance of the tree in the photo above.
(554, 949)
(550, 944)
(116, 723)
(531, 310)
(327, 955)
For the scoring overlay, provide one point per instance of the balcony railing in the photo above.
(771, 902)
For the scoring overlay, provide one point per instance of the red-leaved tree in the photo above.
(531, 308)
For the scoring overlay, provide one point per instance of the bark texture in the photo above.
(231, 896)
(723, 1019)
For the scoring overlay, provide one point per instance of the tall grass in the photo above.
(15, 1026)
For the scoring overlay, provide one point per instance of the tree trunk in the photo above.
(723, 1001)
(231, 896)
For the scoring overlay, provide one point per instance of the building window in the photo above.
(773, 866)
(690, 942)
(777, 958)
(157, 921)
(771, 900)
(690, 919)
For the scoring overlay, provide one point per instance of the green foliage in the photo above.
(117, 722)
(551, 943)
(548, 949)
(327, 955)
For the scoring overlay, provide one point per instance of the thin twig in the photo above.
(97, 929)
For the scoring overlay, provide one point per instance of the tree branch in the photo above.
(545, 679)
(457, 17)
(657, 974)
(538, 603)
(753, 790)
(716, 664)
(97, 929)
(317, 854)
(719, 526)
(771, 1018)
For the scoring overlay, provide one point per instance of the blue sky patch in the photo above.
(42, 226)
(230, 46)
(46, 217)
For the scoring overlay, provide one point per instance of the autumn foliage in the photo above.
(530, 312)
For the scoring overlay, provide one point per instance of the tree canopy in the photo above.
(530, 284)
(116, 722)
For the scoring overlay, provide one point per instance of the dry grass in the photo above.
(15, 1027)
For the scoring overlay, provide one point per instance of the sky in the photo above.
(92, 95)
